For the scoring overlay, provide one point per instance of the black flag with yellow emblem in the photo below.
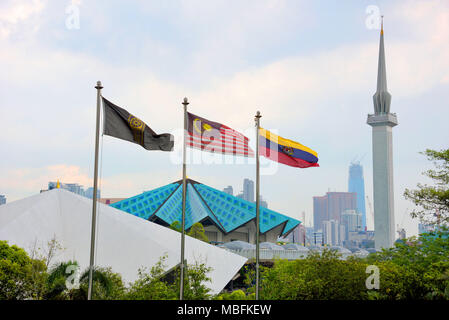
(121, 124)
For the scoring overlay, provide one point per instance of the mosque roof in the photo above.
(204, 204)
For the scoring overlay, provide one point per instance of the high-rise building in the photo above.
(382, 122)
(89, 193)
(2, 199)
(297, 235)
(247, 193)
(402, 234)
(356, 184)
(317, 238)
(319, 212)
(248, 190)
(229, 190)
(331, 206)
(352, 221)
(73, 187)
(333, 233)
(263, 203)
(424, 228)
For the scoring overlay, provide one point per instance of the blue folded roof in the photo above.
(203, 204)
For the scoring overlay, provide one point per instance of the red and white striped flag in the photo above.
(215, 137)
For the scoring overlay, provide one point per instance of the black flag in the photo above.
(121, 124)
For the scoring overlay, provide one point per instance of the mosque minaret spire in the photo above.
(382, 122)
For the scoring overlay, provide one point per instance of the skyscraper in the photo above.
(89, 193)
(333, 233)
(248, 190)
(352, 220)
(356, 184)
(383, 122)
(297, 235)
(319, 212)
(331, 206)
(229, 190)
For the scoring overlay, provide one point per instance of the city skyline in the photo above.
(310, 72)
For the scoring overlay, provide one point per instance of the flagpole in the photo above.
(94, 198)
(257, 119)
(184, 192)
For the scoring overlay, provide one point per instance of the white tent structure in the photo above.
(124, 242)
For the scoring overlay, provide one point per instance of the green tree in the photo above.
(161, 284)
(176, 225)
(194, 281)
(424, 263)
(150, 284)
(64, 283)
(235, 295)
(433, 201)
(107, 285)
(318, 277)
(20, 276)
(326, 276)
(197, 231)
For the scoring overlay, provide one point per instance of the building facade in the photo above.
(331, 206)
(352, 221)
(333, 233)
(248, 190)
(2, 199)
(89, 193)
(319, 212)
(229, 190)
(298, 235)
(73, 187)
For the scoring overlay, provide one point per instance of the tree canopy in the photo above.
(433, 201)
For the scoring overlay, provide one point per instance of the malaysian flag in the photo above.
(215, 137)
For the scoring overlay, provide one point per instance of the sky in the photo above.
(310, 68)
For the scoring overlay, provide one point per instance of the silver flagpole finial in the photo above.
(185, 102)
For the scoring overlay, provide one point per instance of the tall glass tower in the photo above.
(356, 184)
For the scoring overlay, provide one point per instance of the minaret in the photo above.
(382, 122)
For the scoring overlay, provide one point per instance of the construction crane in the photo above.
(354, 160)
(400, 229)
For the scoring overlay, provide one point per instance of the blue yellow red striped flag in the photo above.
(286, 151)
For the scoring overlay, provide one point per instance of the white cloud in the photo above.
(31, 180)
(14, 13)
